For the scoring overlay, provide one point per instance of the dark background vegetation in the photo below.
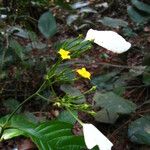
(22, 70)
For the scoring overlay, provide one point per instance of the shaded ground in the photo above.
(22, 88)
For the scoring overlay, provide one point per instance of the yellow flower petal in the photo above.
(64, 54)
(84, 73)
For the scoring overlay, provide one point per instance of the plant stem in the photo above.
(40, 87)
(51, 72)
(11, 115)
(27, 99)
(41, 96)
(74, 116)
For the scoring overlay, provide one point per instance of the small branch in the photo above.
(41, 96)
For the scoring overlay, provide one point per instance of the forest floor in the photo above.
(22, 88)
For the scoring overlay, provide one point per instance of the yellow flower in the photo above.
(64, 54)
(84, 73)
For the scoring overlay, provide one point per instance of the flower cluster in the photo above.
(111, 41)
(82, 72)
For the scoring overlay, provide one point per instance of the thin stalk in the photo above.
(41, 87)
(53, 69)
(41, 96)
(53, 91)
(11, 115)
(74, 116)
(21, 104)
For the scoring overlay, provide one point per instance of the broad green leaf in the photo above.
(32, 117)
(72, 91)
(18, 49)
(67, 117)
(78, 46)
(47, 24)
(114, 103)
(127, 31)
(64, 74)
(141, 6)
(18, 121)
(18, 31)
(105, 81)
(139, 130)
(113, 22)
(35, 45)
(106, 117)
(11, 133)
(50, 135)
(32, 35)
(136, 16)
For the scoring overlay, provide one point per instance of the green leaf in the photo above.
(141, 6)
(49, 135)
(127, 31)
(35, 45)
(47, 24)
(53, 134)
(69, 142)
(139, 130)
(11, 133)
(106, 117)
(113, 22)
(114, 103)
(18, 121)
(77, 46)
(18, 49)
(32, 35)
(72, 91)
(32, 117)
(136, 16)
(105, 81)
(65, 74)
(18, 31)
(67, 117)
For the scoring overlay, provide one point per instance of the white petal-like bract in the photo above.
(108, 39)
(93, 137)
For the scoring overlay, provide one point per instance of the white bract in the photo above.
(93, 137)
(3, 16)
(108, 39)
